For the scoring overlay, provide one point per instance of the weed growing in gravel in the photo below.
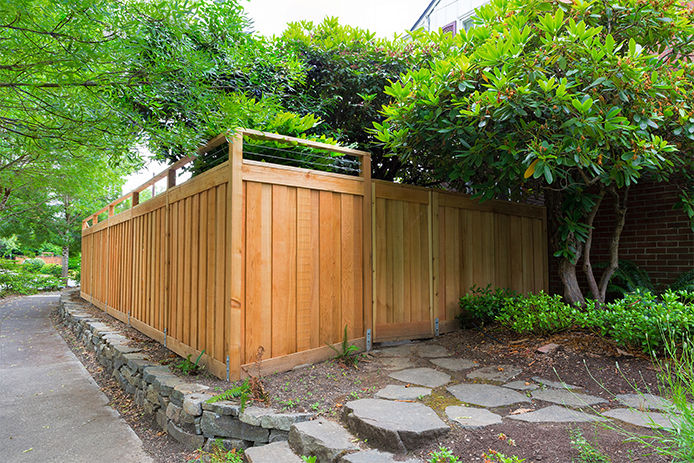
(241, 392)
(443, 455)
(492, 456)
(188, 367)
(218, 454)
(586, 452)
(348, 353)
(310, 459)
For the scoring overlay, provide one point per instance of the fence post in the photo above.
(171, 178)
(367, 264)
(433, 256)
(235, 255)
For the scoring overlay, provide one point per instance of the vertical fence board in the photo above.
(308, 255)
(283, 270)
(303, 273)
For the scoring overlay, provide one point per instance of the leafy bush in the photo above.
(485, 304)
(442, 455)
(684, 282)
(6, 264)
(33, 265)
(74, 267)
(537, 313)
(52, 269)
(22, 282)
(637, 320)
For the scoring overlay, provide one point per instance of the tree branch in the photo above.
(621, 212)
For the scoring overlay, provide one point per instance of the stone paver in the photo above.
(51, 410)
(555, 384)
(394, 392)
(272, 453)
(645, 402)
(643, 419)
(555, 414)
(422, 376)
(472, 418)
(373, 456)
(325, 439)
(486, 395)
(497, 373)
(432, 350)
(454, 364)
(566, 397)
(396, 363)
(393, 426)
(521, 385)
(403, 350)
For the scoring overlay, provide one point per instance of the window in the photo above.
(450, 27)
(468, 21)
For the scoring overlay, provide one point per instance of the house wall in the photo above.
(444, 12)
(656, 237)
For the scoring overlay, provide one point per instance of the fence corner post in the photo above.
(235, 255)
(367, 211)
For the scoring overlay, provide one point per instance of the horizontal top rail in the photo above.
(300, 141)
(215, 142)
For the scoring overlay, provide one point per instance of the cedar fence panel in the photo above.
(253, 257)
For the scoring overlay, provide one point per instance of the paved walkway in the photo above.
(51, 410)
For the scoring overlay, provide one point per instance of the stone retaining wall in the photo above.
(180, 407)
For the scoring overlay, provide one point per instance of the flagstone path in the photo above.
(484, 398)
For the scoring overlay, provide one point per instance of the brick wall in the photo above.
(656, 237)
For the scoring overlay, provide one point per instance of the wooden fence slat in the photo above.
(252, 254)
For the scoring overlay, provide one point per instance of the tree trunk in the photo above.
(567, 268)
(620, 212)
(587, 266)
(65, 262)
(572, 291)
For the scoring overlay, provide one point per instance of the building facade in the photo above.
(448, 15)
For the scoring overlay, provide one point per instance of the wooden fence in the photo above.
(260, 264)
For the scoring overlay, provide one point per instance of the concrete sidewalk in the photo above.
(51, 410)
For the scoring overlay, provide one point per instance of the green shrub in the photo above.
(33, 265)
(21, 282)
(684, 282)
(6, 264)
(75, 268)
(638, 319)
(52, 269)
(537, 313)
(485, 304)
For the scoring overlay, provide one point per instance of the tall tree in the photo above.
(573, 101)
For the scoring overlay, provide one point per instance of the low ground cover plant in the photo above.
(635, 321)
(15, 279)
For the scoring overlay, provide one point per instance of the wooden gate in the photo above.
(430, 247)
(403, 291)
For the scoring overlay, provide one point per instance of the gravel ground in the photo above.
(584, 359)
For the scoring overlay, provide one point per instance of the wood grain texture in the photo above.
(252, 254)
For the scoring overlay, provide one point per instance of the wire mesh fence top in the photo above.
(302, 156)
(282, 152)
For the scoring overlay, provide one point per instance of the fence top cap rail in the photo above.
(214, 143)
(301, 141)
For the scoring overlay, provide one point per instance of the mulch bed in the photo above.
(583, 359)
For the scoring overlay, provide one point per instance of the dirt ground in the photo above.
(583, 359)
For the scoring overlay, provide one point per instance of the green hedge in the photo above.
(638, 320)
(14, 279)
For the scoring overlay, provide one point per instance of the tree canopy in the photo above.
(570, 101)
